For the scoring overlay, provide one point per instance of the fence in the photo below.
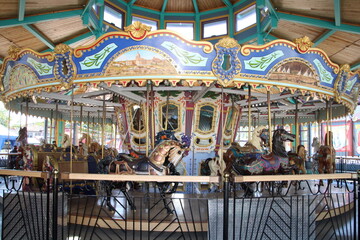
(303, 209)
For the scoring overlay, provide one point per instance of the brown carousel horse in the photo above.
(161, 161)
(298, 159)
(325, 156)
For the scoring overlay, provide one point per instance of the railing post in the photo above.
(55, 204)
(48, 206)
(226, 206)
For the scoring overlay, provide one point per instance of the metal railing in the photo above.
(52, 213)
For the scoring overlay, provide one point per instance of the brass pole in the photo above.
(81, 118)
(56, 123)
(327, 123)
(71, 127)
(152, 117)
(147, 120)
(88, 131)
(27, 113)
(222, 125)
(269, 120)
(103, 128)
(249, 114)
(167, 111)
(297, 134)
(51, 125)
(115, 130)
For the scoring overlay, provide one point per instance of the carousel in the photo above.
(171, 106)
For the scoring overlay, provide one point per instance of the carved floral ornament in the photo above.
(228, 42)
(137, 30)
(14, 51)
(303, 44)
(62, 48)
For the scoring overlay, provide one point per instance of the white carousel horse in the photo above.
(66, 141)
(217, 167)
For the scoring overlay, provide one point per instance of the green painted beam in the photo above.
(318, 22)
(259, 30)
(99, 31)
(163, 8)
(40, 18)
(271, 8)
(162, 15)
(337, 12)
(197, 36)
(213, 11)
(21, 7)
(271, 37)
(323, 37)
(128, 14)
(86, 12)
(39, 36)
(1, 60)
(231, 18)
(132, 2)
(196, 7)
(355, 66)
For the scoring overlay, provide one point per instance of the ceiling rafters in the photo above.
(21, 15)
(118, 90)
(311, 21)
(323, 36)
(40, 18)
(39, 35)
(62, 97)
(202, 92)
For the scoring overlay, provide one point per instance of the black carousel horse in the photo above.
(161, 161)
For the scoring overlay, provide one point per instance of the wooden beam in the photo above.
(266, 178)
(39, 35)
(40, 18)
(323, 37)
(118, 90)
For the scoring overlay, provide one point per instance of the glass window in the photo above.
(112, 16)
(170, 117)
(245, 18)
(185, 29)
(137, 118)
(206, 118)
(214, 28)
(151, 23)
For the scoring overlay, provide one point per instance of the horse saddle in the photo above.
(139, 165)
(269, 157)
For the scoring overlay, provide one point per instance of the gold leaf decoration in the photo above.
(62, 48)
(13, 51)
(303, 44)
(137, 30)
(228, 42)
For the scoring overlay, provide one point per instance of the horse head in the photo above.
(22, 138)
(171, 151)
(65, 141)
(280, 136)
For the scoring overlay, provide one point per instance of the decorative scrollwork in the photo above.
(62, 48)
(228, 42)
(303, 44)
(137, 30)
(341, 80)
(14, 51)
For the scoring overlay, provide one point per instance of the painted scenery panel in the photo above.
(140, 62)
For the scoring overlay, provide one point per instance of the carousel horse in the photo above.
(89, 146)
(275, 162)
(255, 145)
(325, 156)
(161, 161)
(212, 167)
(66, 141)
(298, 159)
(25, 159)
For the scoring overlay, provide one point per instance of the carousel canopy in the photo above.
(126, 63)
